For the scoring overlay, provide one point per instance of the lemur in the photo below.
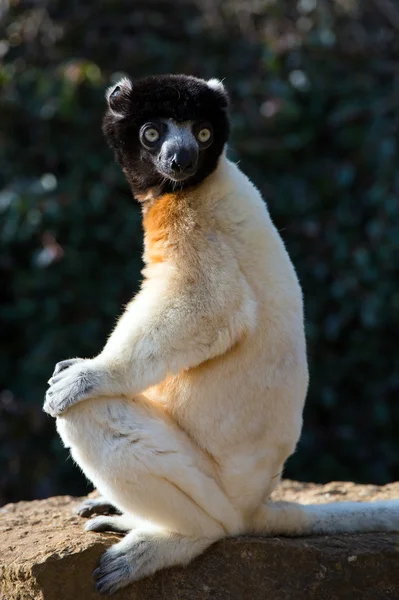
(185, 419)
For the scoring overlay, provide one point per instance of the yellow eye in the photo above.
(204, 135)
(151, 135)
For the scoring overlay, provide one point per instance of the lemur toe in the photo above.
(103, 523)
(95, 506)
(113, 573)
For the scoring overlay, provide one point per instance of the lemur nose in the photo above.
(183, 161)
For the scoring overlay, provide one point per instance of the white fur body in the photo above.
(201, 387)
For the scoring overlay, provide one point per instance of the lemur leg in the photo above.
(147, 467)
(95, 506)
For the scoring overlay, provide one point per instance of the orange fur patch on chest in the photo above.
(162, 225)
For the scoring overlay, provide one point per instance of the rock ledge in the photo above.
(45, 555)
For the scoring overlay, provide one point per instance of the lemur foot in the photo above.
(133, 558)
(141, 553)
(96, 506)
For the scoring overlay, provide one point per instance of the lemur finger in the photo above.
(64, 364)
(55, 378)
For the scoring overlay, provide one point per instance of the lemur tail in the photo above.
(291, 519)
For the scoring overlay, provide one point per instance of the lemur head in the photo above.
(167, 131)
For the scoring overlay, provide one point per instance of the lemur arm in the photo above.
(167, 328)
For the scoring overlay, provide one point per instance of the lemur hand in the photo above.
(73, 380)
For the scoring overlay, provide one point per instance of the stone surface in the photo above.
(45, 555)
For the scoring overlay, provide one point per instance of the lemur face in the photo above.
(167, 131)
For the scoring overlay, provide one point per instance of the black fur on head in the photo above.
(167, 131)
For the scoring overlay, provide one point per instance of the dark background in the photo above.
(315, 109)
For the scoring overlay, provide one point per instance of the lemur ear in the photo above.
(217, 86)
(118, 97)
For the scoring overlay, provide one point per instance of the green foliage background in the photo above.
(315, 109)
